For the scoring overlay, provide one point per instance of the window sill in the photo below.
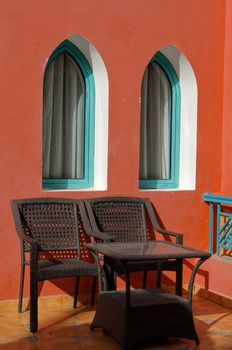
(166, 189)
(74, 190)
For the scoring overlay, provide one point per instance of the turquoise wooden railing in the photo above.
(220, 223)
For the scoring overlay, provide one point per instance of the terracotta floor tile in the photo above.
(63, 328)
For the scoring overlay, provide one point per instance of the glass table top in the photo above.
(149, 250)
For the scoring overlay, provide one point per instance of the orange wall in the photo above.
(227, 124)
(127, 34)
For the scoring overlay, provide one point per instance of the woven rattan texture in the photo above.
(124, 220)
(53, 225)
(145, 297)
(52, 233)
(49, 269)
(84, 252)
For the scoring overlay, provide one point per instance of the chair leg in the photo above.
(159, 271)
(110, 277)
(144, 279)
(93, 290)
(76, 292)
(33, 306)
(179, 278)
(22, 273)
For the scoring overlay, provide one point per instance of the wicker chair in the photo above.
(130, 219)
(51, 234)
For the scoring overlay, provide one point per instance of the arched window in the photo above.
(160, 125)
(68, 120)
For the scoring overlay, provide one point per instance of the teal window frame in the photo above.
(172, 77)
(88, 179)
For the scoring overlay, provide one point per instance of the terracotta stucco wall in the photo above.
(227, 124)
(127, 34)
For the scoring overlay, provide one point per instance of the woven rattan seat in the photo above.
(52, 235)
(50, 269)
(131, 219)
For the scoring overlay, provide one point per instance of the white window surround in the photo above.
(188, 118)
(101, 110)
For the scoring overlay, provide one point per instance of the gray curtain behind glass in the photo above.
(63, 120)
(155, 128)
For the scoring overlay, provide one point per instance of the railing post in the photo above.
(218, 229)
(211, 207)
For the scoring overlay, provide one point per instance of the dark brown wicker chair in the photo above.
(51, 234)
(130, 219)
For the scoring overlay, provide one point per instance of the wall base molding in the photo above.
(216, 298)
(209, 295)
(84, 298)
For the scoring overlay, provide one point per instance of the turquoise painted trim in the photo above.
(88, 181)
(65, 184)
(227, 217)
(208, 197)
(173, 182)
(218, 228)
(149, 184)
(211, 228)
(223, 230)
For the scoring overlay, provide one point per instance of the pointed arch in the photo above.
(183, 157)
(91, 67)
(68, 119)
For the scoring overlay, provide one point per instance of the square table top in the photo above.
(158, 250)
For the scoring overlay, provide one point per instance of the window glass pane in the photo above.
(64, 120)
(155, 137)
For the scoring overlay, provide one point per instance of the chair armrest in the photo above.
(93, 230)
(84, 218)
(19, 226)
(156, 226)
(89, 230)
(33, 251)
(27, 239)
(103, 236)
(34, 261)
(179, 236)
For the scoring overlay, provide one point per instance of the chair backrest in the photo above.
(122, 217)
(52, 222)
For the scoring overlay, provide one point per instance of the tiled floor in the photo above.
(62, 328)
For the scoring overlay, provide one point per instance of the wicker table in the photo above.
(137, 317)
